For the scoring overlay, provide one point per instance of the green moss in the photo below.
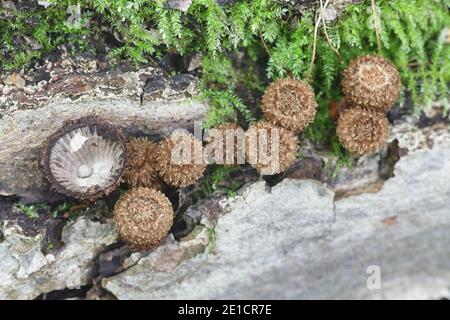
(146, 29)
(61, 209)
(34, 210)
(30, 32)
(219, 179)
(31, 211)
(212, 236)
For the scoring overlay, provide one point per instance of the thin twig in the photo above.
(322, 7)
(313, 55)
(268, 51)
(377, 26)
(264, 44)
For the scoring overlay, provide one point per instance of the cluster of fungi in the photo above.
(371, 85)
(289, 106)
(89, 157)
(271, 144)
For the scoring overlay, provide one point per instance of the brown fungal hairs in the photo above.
(180, 160)
(362, 131)
(141, 168)
(289, 103)
(371, 82)
(259, 146)
(226, 144)
(85, 158)
(143, 217)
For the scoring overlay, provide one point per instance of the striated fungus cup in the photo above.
(269, 148)
(362, 131)
(371, 82)
(141, 167)
(180, 160)
(143, 217)
(85, 159)
(226, 144)
(289, 103)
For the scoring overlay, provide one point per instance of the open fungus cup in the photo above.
(85, 158)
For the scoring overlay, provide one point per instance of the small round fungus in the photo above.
(362, 131)
(371, 82)
(180, 160)
(85, 158)
(143, 217)
(226, 144)
(141, 168)
(269, 148)
(289, 103)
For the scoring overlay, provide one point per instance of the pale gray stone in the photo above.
(26, 272)
(295, 241)
(182, 5)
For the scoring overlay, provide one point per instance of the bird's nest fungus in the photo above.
(180, 160)
(141, 168)
(143, 217)
(269, 148)
(371, 82)
(289, 103)
(362, 131)
(85, 159)
(226, 144)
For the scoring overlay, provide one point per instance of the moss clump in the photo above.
(371, 82)
(180, 160)
(362, 131)
(141, 166)
(143, 217)
(289, 103)
(232, 41)
(266, 157)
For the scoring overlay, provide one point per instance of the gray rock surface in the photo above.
(26, 272)
(295, 241)
(32, 113)
(182, 5)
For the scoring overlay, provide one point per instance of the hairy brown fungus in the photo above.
(289, 103)
(85, 158)
(143, 217)
(269, 148)
(141, 167)
(371, 82)
(226, 144)
(180, 160)
(362, 131)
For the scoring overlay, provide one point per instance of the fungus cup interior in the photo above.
(85, 158)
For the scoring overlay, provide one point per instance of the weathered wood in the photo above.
(296, 241)
(293, 240)
(30, 114)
